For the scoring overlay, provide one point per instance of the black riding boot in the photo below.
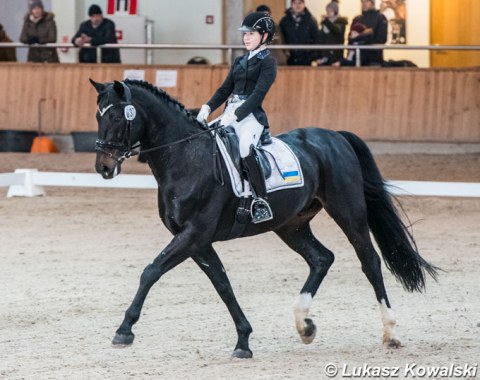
(259, 209)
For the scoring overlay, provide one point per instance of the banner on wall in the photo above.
(122, 7)
(396, 13)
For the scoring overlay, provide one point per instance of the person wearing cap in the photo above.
(39, 28)
(246, 85)
(376, 32)
(332, 32)
(299, 27)
(96, 31)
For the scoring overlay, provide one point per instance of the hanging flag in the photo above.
(122, 6)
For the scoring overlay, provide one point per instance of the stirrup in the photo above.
(260, 210)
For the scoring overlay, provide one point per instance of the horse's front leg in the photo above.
(177, 251)
(211, 265)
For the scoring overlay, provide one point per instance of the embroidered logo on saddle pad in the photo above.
(286, 170)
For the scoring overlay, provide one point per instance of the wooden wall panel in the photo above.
(377, 104)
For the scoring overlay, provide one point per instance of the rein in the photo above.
(195, 135)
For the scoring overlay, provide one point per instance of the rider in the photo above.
(247, 83)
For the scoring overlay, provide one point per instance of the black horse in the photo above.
(340, 174)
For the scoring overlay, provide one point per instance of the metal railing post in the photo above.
(99, 54)
(358, 59)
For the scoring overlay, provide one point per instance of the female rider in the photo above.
(245, 87)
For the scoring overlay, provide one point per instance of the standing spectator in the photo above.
(96, 31)
(6, 54)
(280, 55)
(332, 32)
(299, 27)
(39, 28)
(376, 32)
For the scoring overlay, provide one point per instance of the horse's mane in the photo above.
(159, 93)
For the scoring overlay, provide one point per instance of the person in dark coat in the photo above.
(376, 32)
(299, 27)
(6, 54)
(332, 32)
(246, 85)
(98, 30)
(39, 28)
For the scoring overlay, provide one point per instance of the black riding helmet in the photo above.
(260, 22)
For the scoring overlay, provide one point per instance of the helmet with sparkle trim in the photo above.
(260, 22)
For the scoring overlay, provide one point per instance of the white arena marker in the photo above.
(28, 187)
(437, 189)
(30, 182)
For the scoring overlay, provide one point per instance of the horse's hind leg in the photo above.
(319, 259)
(352, 219)
(211, 265)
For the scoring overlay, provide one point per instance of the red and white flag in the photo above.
(122, 6)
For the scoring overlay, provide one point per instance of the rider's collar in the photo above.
(253, 53)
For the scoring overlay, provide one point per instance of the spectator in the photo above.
(6, 54)
(299, 27)
(39, 28)
(280, 55)
(94, 32)
(356, 36)
(332, 32)
(376, 32)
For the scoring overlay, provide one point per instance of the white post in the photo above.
(28, 188)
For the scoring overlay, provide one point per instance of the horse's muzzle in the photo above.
(106, 166)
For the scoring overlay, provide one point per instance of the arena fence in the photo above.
(231, 49)
(30, 182)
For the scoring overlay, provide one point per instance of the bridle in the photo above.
(128, 150)
(129, 112)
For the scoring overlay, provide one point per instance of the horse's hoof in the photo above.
(392, 343)
(123, 339)
(309, 332)
(242, 354)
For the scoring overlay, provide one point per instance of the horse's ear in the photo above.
(98, 86)
(119, 89)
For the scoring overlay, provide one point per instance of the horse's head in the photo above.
(118, 127)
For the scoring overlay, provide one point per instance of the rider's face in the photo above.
(251, 40)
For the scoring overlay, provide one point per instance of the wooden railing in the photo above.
(376, 103)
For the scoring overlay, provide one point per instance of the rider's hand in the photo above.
(203, 113)
(228, 119)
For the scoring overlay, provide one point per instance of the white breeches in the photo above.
(249, 130)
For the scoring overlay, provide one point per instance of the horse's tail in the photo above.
(395, 241)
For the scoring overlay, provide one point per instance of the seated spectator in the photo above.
(39, 28)
(376, 32)
(299, 27)
(332, 32)
(94, 32)
(6, 54)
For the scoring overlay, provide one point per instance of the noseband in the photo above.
(125, 146)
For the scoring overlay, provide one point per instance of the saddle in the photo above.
(230, 140)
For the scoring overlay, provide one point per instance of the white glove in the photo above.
(203, 113)
(228, 119)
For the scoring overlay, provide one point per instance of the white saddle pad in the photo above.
(286, 172)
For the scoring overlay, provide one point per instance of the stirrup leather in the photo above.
(260, 210)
